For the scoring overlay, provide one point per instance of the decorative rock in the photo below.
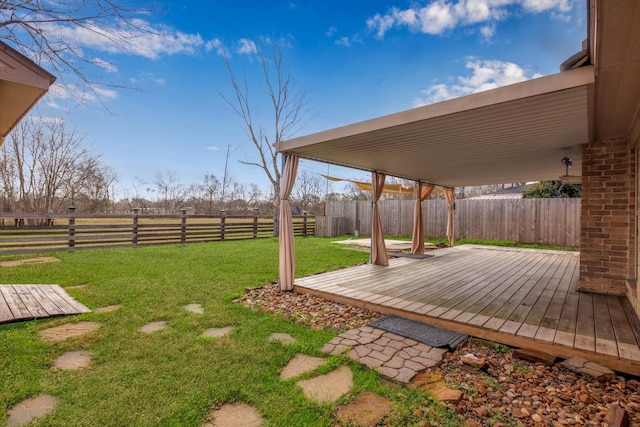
(234, 415)
(534, 356)
(618, 417)
(329, 387)
(591, 369)
(217, 332)
(301, 364)
(24, 412)
(474, 361)
(282, 338)
(153, 326)
(68, 330)
(367, 409)
(73, 360)
(442, 393)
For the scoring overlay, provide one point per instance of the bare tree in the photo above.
(288, 104)
(307, 192)
(44, 165)
(47, 31)
(171, 192)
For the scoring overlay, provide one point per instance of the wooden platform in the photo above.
(519, 297)
(26, 302)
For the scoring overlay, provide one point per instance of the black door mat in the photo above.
(409, 255)
(418, 331)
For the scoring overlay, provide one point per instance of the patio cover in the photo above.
(22, 84)
(515, 133)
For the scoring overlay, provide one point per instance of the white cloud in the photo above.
(140, 39)
(486, 74)
(246, 47)
(213, 148)
(343, 41)
(107, 66)
(488, 31)
(218, 46)
(331, 31)
(440, 16)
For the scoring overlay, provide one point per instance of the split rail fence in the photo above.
(545, 221)
(45, 233)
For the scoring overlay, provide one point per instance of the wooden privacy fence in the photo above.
(548, 221)
(43, 233)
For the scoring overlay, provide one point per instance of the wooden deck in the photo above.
(524, 298)
(26, 302)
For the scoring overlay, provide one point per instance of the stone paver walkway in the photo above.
(394, 357)
(301, 364)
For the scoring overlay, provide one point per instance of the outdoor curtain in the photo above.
(287, 250)
(422, 193)
(378, 250)
(450, 196)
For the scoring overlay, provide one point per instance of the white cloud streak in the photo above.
(486, 75)
(140, 39)
(440, 16)
(246, 47)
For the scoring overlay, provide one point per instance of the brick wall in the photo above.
(607, 237)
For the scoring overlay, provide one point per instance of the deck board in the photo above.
(520, 297)
(26, 302)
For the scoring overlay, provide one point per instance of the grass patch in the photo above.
(174, 376)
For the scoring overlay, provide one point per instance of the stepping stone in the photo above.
(194, 308)
(436, 387)
(282, 338)
(235, 415)
(24, 412)
(39, 260)
(301, 364)
(367, 409)
(217, 332)
(107, 308)
(590, 369)
(329, 387)
(154, 326)
(73, 360)
(62, 332)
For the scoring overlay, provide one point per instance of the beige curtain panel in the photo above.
(378, 250)
(421, 192)
(287, 250)
(451, 197)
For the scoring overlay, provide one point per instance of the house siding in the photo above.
(607, 238)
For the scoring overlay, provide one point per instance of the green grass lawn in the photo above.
(173, 377)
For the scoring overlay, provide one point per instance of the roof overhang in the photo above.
(22, 84)
(515, 133)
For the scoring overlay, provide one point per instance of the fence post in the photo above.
(255, 223)
(183, 225)
(304, 223)
(223, 220)
(134, 229)
(72, 227)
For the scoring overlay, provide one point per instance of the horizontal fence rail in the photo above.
(544, 221)
(44, 233)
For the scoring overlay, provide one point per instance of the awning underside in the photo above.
(518, 133)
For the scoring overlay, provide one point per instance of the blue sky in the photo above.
(356, 59)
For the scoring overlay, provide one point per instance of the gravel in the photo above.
(505, 392)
